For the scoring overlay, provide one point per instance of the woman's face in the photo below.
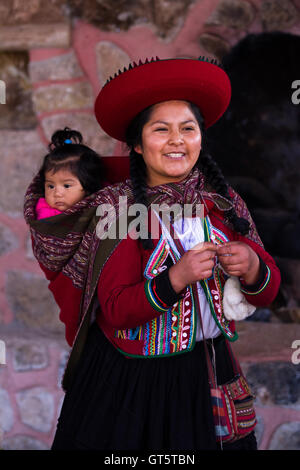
(171, 142)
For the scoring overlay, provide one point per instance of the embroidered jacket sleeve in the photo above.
(264, 291)
(126, 298)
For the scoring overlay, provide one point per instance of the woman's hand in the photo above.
(239, 259)
(194, 265)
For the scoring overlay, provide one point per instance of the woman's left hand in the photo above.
(239, 259)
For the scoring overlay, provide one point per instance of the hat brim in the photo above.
(202, 83)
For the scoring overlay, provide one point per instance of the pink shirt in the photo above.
(43, 209)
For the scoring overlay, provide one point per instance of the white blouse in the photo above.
(190, 232)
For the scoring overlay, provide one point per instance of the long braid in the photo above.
(138, 177)
(214, 176)
(137, 165)
(138, 180)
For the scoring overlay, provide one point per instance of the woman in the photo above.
(142, 382)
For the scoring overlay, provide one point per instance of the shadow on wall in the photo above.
(257, 142)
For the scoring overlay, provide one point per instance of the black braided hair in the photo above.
(137, 167)
(205, 163)
(66, 151)
(214, 176)
(138, 177)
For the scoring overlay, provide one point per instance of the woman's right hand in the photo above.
(195, 265)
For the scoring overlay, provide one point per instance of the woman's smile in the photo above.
(176, 155)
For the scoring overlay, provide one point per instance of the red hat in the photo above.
(199, 81)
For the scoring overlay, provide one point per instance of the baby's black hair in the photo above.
(66, 151)
(206, 164)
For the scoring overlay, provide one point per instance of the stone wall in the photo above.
(54, 57)
(272, 367)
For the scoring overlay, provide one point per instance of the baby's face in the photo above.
(62, 189)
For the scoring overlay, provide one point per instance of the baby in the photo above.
(70, 172)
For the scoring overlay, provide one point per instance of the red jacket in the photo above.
(139, 311)
(142, 315)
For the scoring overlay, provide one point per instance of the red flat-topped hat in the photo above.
(201, 81)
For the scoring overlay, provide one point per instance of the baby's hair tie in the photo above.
(68, 141)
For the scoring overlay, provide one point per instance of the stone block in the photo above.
(23, 442)
(86, 123)
(6, 411)
(286, 437)
(32, 303)
(115, 16)
(29, 36)
(235, 14)
(36, 11)
(17, 112)
(165, 15)
(28, 355)
(214, 45)
(275, 383)
(8, 240)
(61, 67)
(21, 157)
(63, 97)
(259, 342)
(110, 58)
(36, 407)
(288, 314)
(276, 15)
(169, 15)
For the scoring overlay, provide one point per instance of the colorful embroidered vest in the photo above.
(174, 331)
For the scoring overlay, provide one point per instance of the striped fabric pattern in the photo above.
(263, 285)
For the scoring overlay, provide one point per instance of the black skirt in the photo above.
(116, 403)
